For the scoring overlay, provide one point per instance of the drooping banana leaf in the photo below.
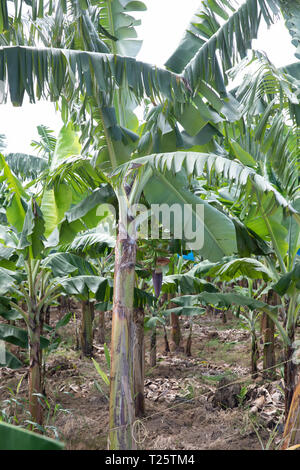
(32, 235)
(7, 359)
(18, 336)
(218, 232)
(26, 166)
(219, 28)
(63, 264)
(82, 285)
(250, 268)
(201, 164)
(288, 280)
(16, 209)
(187, 283)
(25, 68)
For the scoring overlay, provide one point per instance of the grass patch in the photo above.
(229, 352)
(217, 377)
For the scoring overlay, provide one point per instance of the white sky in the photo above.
(161, 34)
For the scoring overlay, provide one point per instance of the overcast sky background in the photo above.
(163, 25)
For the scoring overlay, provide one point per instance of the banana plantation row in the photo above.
(235, 153)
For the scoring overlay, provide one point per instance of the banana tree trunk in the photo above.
(290, 365)
(175, 329)
(35, 368)
(47, 315)
(167, 346)
(152, 359)
(44, 315)
(86, 333)
(269, 350)
(101, 329)
(138, 352)
(268, 328)
(188, 347)
(122, 409)
(290, 371)
(254, 355)
(175, 332)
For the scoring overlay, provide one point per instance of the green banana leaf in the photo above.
(288, 281)
(16, 438)
(217, 228)
(63, 264)
(241, 267)
(18, 336)
(15, 211)
(10, 360)
(186, 311)
(32, 235)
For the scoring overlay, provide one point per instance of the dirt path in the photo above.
(179, 395)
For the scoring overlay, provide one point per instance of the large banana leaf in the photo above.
(11, 361)
(18, 336)
(52, 71)
(263, 199)
(82, 285)
(56, 202)
(115, 19)
(288, 281)
(6, 311)
(186, 306)
(94, 241)
(32, 235)
(110, 20)
(200, 164)
(67, 144)
(16, 438)
(250, 268)
(249, 242)
(54, 205)
(26, 166)
(188, 311)
(15, 211)
(187, 284)
(219, 29)
(69, 206)
(84, 215)
(102, 195)
(217, 228)
(291, 13)
(266, 219)
(7, 280)
(63, 264)
(161, 133)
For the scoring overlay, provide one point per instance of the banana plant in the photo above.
(96, 244)
(92, 80)
(249, 321)
(152, 320)
(252, 270)
(186, 307)
(81, 278)
(270, 147)
(288, 285)
(36, 289)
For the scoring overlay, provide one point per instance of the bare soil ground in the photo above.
(179, 391)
